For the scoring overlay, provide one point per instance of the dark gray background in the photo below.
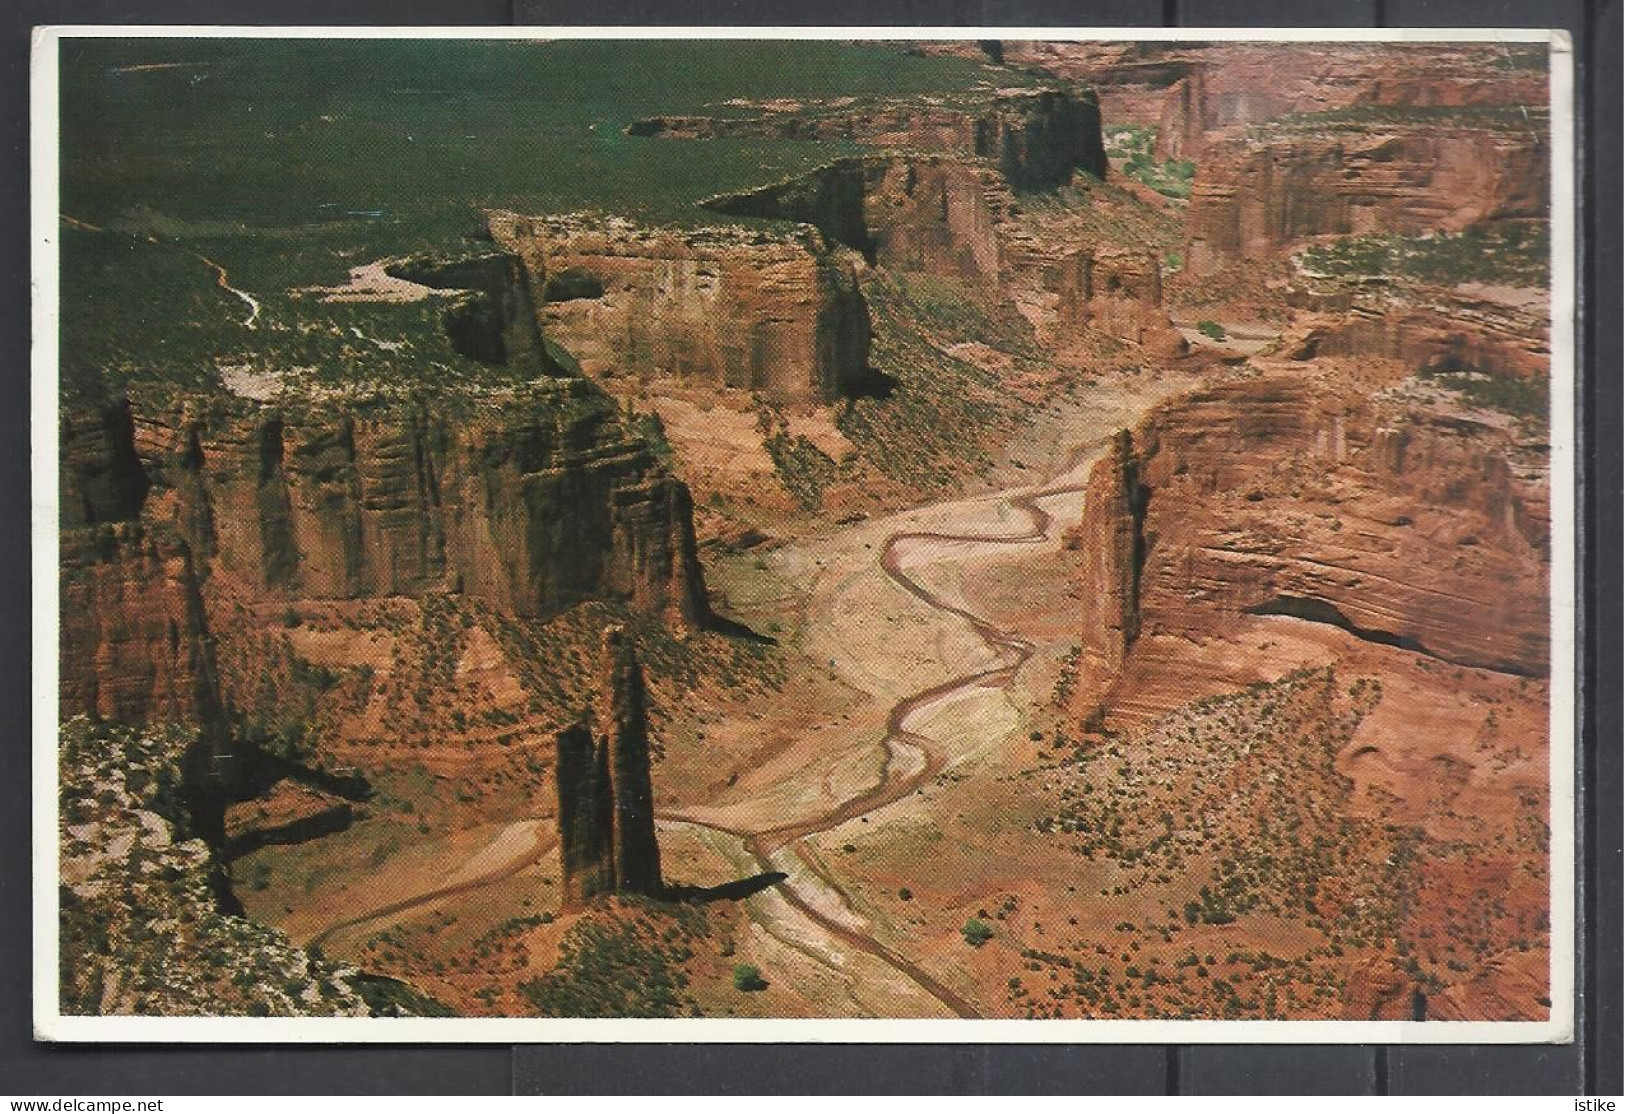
(1590, 1065)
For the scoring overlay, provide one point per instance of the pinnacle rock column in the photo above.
(623, 722)
(585, 814)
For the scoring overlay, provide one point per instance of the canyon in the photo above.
(781, 316)
(1035, 138)
(951, 578)
(1274, 189)
(212, 501)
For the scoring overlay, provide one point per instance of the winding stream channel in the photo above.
(910, 759)
(808, 911)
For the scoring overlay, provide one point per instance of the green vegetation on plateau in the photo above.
(1135, 145)
(1510, 252)
(632, 965)
(1528, 400)
(289, 162)
(1509, 118)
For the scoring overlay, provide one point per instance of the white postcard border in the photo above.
(51, 1025)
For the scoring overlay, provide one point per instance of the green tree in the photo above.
(976, 932)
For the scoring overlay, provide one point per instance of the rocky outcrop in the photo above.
(1256, 196)
(605, 798)
(1112, 536)
(1117, 292)
(1405, 519)
(134, 637)
(1194, 91)
(926, 213)
(100, 479)
(779, 315)
(1037, 138)
(956, 218)
(142, 930)
(494, 321)
(531, 498)
(1440, 331)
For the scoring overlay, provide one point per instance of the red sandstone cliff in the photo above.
(955, 217)
(1257, 195)
(1400, 518)
(927, 213)
(1193, 91)
(1453, 330)
(781, 315)
(532, 499)
(606, 814)
(1036, 138)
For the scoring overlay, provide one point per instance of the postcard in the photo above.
(747, 534)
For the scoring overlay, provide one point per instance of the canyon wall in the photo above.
(606, 814)
(925, 213)
(1255, 196)
(532, 498)
(1452, 330)
(1401, 518)
(1037, 138)
(952, 217)
(1193, 91)
(133, 631)
(731, 308)
(494, 318)
(1115, 291)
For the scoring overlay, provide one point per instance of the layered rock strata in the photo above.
(1255, 196)
(532, 499)
(780, 315)
(926, 213)
(606, 822)
(953, 217)
(1037, 138)
(1439, 331)
(1114, 291)
(1194, 91)
(1404, 519)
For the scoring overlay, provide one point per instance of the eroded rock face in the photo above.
(1193, 92)
(1037, 138)
(495, 320)
(1443, 330)
(531, 499)
(927, 213)
(1256, 196)
(1117, 292)
(1401, 518)
(1111, 534)
(606, 800)
(781, 315)
(134, 634)
(953, 217)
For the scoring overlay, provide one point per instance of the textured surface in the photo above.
(1034, 1066)
(776, 314)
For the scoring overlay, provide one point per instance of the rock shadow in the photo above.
(737, 890)
(733, 628)
(873, 383)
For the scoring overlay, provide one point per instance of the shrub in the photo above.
(1211, 329)
(976, 932)
(748, 978)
